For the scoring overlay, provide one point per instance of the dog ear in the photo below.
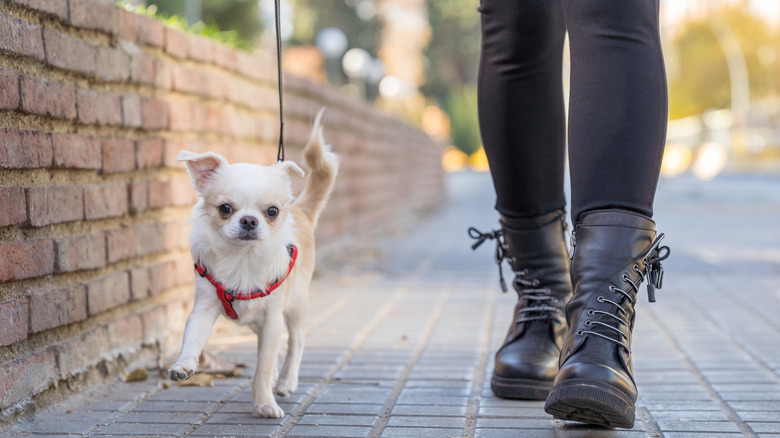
(291, 168)
(201, 167)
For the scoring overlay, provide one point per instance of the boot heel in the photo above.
(588, 402)
(520, 389)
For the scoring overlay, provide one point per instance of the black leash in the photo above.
(280, 153)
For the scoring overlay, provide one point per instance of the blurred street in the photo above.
(402, 345)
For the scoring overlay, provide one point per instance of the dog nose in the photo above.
(248, 223)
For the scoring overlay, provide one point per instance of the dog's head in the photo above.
(242, 203)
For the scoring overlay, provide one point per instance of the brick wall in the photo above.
(95, 104)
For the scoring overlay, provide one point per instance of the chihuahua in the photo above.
(253, 247)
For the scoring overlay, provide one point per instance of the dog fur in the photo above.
(243, 259)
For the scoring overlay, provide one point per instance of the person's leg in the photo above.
(618, 104)
(521, 118)
(616, 136)
(520, 99)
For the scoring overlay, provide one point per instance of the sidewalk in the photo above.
(406, 350)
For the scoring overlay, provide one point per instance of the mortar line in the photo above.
(475, 395)
(392, 398)
(719, 401)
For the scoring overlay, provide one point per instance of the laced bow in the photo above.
(501, 252)
(538, 299)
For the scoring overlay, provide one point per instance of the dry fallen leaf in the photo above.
(199, 380)
(137, 375)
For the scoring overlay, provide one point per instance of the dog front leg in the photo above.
(268, 339)
(196, 333)
(288, 378)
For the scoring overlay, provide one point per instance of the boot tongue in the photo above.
(607, 241)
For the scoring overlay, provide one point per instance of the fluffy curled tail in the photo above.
(323, 167)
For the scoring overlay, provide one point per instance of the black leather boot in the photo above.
(527, 362)
(614, 251)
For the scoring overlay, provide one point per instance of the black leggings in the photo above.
(617, 108)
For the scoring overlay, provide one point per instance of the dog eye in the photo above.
(272, 212)
(225, 209)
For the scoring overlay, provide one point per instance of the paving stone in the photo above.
(340, 420)
(233, 430)
(405, 432)
(418, 421)
(432, 411)
(140, 429)
(509, 433)
(340, 408)
(697, 426)
(328, 431)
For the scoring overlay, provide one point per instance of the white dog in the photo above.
(253, 244)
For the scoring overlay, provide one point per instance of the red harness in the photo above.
(227, 296)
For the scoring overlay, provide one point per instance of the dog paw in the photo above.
(267, 410)
(285, 387)
(179, 373)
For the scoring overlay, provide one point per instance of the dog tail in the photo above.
(323, 167)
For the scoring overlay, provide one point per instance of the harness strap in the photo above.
(227, 296)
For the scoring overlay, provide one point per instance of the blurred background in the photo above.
(419, 59)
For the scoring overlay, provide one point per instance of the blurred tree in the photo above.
(241, 16)
(461, 106)
(701, 81)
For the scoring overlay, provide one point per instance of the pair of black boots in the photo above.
(580, 360)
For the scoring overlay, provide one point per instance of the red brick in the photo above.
(57, 308)
(13, 207)
(76, 151)
(139, 283)
(202, 49)
(252, 66)
(182, 116)
(154, 113)
(150, 238)
(26, 377)
(139, 196)
(69, 53)
(105, 201)
(188, 80)
(142, 68)
(9, 90)
(126, 334)
(120, 244)
(118, 155)
(108, 292)
(80, 252)
(20, 37)
(24, 149)
(54, 204)
(176, 236)
(182, 192)
(128, 25)
(13, 318)
(131, 111)
(47, 98)
(160, 195)
(112, 64)
(176, 43)
(78, 354)
(163, 73)
(161, 277)
(28, 259)
(149, 153)
(57, 8)
(150, 31)
(94, 14)
(183, 272)
(98, 107)
(225, 56)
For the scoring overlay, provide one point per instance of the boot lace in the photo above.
(501, 249)
(538, 299)
(653, 273)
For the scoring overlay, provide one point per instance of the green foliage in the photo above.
(464, 123)
(240, 16)
(699, 77)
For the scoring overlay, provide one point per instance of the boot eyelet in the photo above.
(600, 299)
(612, 288)
(591, 312)
(588, 323)
(580, 332)
(625, 277)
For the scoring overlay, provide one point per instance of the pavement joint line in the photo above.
(400, 382)
(294, 417)
(730, 413)
(210, 413)
(736, 338)
(475, 394)
(128, 407)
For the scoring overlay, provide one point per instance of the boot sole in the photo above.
(591, 403)
(520, 389)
